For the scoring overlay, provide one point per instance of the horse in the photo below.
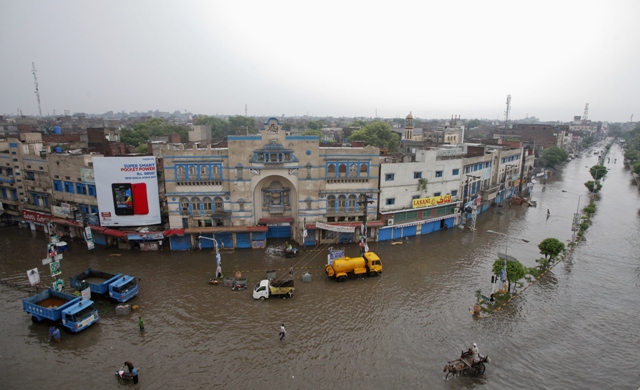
(453, 369)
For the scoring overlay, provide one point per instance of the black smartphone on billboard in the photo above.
(122, 198)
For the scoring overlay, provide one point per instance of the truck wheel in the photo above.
(262, 298)
(373, 273)
(35, 320)
(341, 279)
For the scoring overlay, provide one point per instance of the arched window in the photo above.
(342, 203)
(331, 170)
(239, 173)
(342, 170)
(363, 170)
(331, 203)
(218, 204)
(184, 206)
(206, 202)
(193, 172)
(351, 207)
(182, 172)
(215, 171)
(353, 170)
(204, 172)
(195, 206)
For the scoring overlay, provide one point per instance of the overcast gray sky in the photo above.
(324, 58)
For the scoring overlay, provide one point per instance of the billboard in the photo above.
(127, 189)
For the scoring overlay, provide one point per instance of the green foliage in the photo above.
(239, 122)
(631, 155)
(219, 128)
(478, 296)
(551, 248)
(377, 134)
(152, 128)
(360, 123)
(142, 148)
(598, 172)
(313, 132)
(588, 140)
(552, 156)
(515, 270)
(473, 123)
(590, 209)
(591, 186)
(315, 125)
(422, 184)
(636, 167)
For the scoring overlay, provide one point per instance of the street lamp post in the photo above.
(366, 200)
(576, 216)
(506, 255)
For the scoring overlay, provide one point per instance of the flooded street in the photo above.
(576, 328)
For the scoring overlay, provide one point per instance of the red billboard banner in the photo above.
(36, 217)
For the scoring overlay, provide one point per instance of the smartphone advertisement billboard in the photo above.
(127, 189)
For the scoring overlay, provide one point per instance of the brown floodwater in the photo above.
(575, 328)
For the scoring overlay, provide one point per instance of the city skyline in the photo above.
(347, 59)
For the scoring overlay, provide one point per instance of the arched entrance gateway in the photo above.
(276, 204)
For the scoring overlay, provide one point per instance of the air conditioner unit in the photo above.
(390, 222)
(74, 209)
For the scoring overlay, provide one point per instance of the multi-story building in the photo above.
(422, 196)
(270, 185)
(10, 209)
(105, 141)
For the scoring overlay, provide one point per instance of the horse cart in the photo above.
(466, 365)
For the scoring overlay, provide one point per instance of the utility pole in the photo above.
(365, 201)
(33, 64)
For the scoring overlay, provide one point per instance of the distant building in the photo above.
(105, 141)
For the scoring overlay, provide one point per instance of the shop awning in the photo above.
(114, 233)
(225, 229)
(262, 221)
(66, 222)
(174, 232)
(370, 224)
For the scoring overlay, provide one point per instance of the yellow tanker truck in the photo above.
(369, 265)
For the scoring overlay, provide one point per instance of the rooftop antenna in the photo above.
(506, 113)
(33, 64)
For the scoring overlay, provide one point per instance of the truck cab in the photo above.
(261, 291)
(79, 316)
(123, 289)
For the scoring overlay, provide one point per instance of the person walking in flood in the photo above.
(54, 334)
(291, 271)
(141, 324)
(282, 332)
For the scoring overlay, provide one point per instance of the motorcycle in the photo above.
(122, 373)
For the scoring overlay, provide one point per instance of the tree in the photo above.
(313, 132)
(598, 172)
(552, 156)
(142, 148)
(220, 128)
(515, 270)
(588, 140)
(551, 248)
(359, 123)
(473, 123)
(378, 134)
(239, 121)
(152, 128)
(315, 125)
